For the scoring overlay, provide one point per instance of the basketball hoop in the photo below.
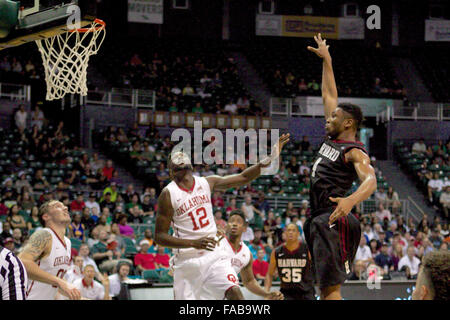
(66, 57)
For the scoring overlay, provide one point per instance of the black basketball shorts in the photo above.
(332, 249)
(297, 294)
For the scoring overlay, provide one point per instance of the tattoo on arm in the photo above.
(37, 243)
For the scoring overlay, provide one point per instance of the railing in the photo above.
(15, 91)
(133, 98)
(421, 111)
(416, 216)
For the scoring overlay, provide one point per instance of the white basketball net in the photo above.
(66, 57)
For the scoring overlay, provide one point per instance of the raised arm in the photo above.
(38, 247)
(253, 286)
(249, 174)
(329, 90)
(164, 218)
(366, 175)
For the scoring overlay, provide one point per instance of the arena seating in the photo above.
(355, 67)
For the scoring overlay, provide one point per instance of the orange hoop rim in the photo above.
(84, 30)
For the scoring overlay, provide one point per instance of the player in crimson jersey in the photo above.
(202, 270)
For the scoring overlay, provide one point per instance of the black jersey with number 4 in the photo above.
(294, 268)
(331, 175)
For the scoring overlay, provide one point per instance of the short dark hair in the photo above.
(436, 266)
(354, 111)
(43, 209)
(238, 212)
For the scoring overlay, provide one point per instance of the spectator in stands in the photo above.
(188, 90)
(304, 168)
(40, 182)
(108, 170)
(26, 201)
(269, 226)
(423, 223)
(136, 214)
(232, 206)
(112, 190)
(144, 260)
(75, 271)
(78, 204)
(17, 238)
(230, 108)
(87, 220)
(33, 221)
(243, 105)
(368, 233)
(293, 166)
(15, 219)
(249, 210)
(90, 288)
(261, 203)
(106, 258)
(76, 228)
(409, 263)
(419, 147)
(6, 231)
(313, 86)
(116, 279)
(37, 118)
(276, 186)
(383, 259)
(161, 258)
(125, 229)
(383, 213)
(434, 185)
(444, 200)
(381, 195)
(397, 254)
(20, 118)
(305, 210)
(359, 269)
(302, 87)
(393, 200)
(260, 266)
(304, 186)
(95, 162)
(84, 253)
(107, 202)
(92, 203)
(135, 153)
(217, 200)
(363, 253)
(121, 136)
(162, 175)
(22, 182)
(16, 66)
(222, 224)
(8, 243)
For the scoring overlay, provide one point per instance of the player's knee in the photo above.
(234, 293)
(332, 291)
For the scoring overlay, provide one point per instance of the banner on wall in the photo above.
(307, 26)
(437, 30)
(145, 11)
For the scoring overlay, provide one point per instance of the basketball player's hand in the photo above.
(69, 290)
(204, 244)
(274, 295)
(343, 208)
(322, 47)
(220, 234)
(276, 150)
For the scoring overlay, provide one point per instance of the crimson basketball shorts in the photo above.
(332, 249)
(203, 277)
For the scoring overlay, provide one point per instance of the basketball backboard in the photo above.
(31, 20)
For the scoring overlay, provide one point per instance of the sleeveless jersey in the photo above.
(294, 268)
(192, 212)
(240, 258)
(56, 263)
(331, 175)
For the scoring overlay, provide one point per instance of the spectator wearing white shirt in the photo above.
(230, 107)
(91, 203)
(380, 194)
(248, 234)
(368, 232)
(21, 118)
(409, 263)
(444, 200)
(419, 147)
(116, 279)
(383, 213)
(304, 167)
(434, 184)
(84, 253)
(90, 288)
(363, 253)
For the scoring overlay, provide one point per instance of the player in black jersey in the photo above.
(332, 232)
(293, 264)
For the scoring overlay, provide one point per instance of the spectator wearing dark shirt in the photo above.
(292, 166)
(87, 220)
(107, 202)
(276, 185)
(305, 143)
(383, 259)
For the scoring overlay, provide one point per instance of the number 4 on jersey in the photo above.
(201, 220)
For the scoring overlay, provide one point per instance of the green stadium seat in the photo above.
(151, 275)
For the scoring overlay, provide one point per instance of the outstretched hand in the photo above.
(322, 47)
(276, 150)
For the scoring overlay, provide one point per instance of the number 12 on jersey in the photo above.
(200, 214)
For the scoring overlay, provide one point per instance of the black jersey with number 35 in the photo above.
(294, 268)
(331, 175)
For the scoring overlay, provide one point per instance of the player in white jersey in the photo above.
(241, 257)
(201, 268)
(47, 255)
